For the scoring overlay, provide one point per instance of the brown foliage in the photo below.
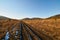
(50, 27)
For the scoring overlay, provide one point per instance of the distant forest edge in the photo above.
(51, 17)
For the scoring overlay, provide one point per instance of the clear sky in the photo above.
(29, 8)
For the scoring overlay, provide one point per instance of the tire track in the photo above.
(7, 36)
(48, 37)
(27, 34)
(31, 32)
(27, 26)
(21, 35)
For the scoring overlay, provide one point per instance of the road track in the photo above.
(25, 32)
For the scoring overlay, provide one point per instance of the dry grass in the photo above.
(50, 27)
(7, 25)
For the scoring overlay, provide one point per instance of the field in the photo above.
(50, 27)
(34, 29)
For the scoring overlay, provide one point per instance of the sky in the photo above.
(19, 9)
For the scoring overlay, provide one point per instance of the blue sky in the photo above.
(29, 8)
